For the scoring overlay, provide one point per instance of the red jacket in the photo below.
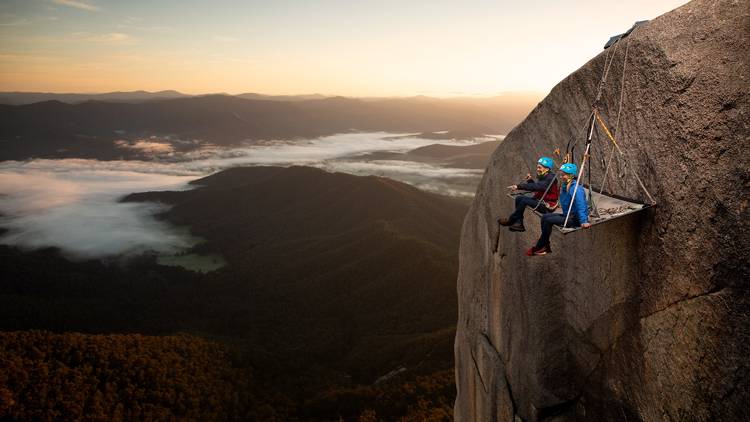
(540, 186)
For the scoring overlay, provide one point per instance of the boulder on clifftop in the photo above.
(644, 317)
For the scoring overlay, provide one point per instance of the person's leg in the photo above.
(572, 222)
(549, 220)
(521, 203)
(542, 208)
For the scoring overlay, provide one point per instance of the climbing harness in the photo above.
(546, 191)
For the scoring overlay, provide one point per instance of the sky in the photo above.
(333, 47)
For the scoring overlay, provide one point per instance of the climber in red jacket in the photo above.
(544, 200)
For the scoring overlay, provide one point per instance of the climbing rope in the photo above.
(616, 210)
(607, 66)
(619, 109)
(587, 124)
(600, 89)
(580, 172)
(596, 117)
(615, 146)
(619, 151)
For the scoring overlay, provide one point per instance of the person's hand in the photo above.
(513, 187)
(528, 176)
(586, 225)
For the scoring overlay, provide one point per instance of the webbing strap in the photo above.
(606, 130)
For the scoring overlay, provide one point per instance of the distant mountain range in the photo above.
(254, 96)
(21, 98)
(56, 129)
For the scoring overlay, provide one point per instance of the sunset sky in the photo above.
(342, 47)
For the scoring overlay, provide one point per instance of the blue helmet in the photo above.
(569, 168)
(546, 162)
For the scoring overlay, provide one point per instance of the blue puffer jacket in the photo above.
(580, 207)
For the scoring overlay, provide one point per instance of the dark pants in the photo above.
(549, 220)
(521, 203)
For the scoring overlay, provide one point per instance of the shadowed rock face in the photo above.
(644, 317)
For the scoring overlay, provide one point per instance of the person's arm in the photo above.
(540, 186)
(582, 208)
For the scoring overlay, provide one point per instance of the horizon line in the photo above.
(528, 92)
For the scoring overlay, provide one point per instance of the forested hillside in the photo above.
(337, 299)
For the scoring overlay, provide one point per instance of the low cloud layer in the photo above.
(445, 181)
(147, 146)
(76, 209)
(73, 204)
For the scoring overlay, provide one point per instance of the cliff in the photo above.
(643, 317)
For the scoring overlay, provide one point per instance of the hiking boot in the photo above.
(517, 227)
(504, 221)
(544, 250)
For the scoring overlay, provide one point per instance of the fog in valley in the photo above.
(73, 204)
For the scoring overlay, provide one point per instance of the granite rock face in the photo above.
(644, 317)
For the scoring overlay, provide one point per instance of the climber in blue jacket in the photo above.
(579, 213)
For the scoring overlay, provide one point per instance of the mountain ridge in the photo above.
(53, 129)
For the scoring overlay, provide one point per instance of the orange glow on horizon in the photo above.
(345, 49)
